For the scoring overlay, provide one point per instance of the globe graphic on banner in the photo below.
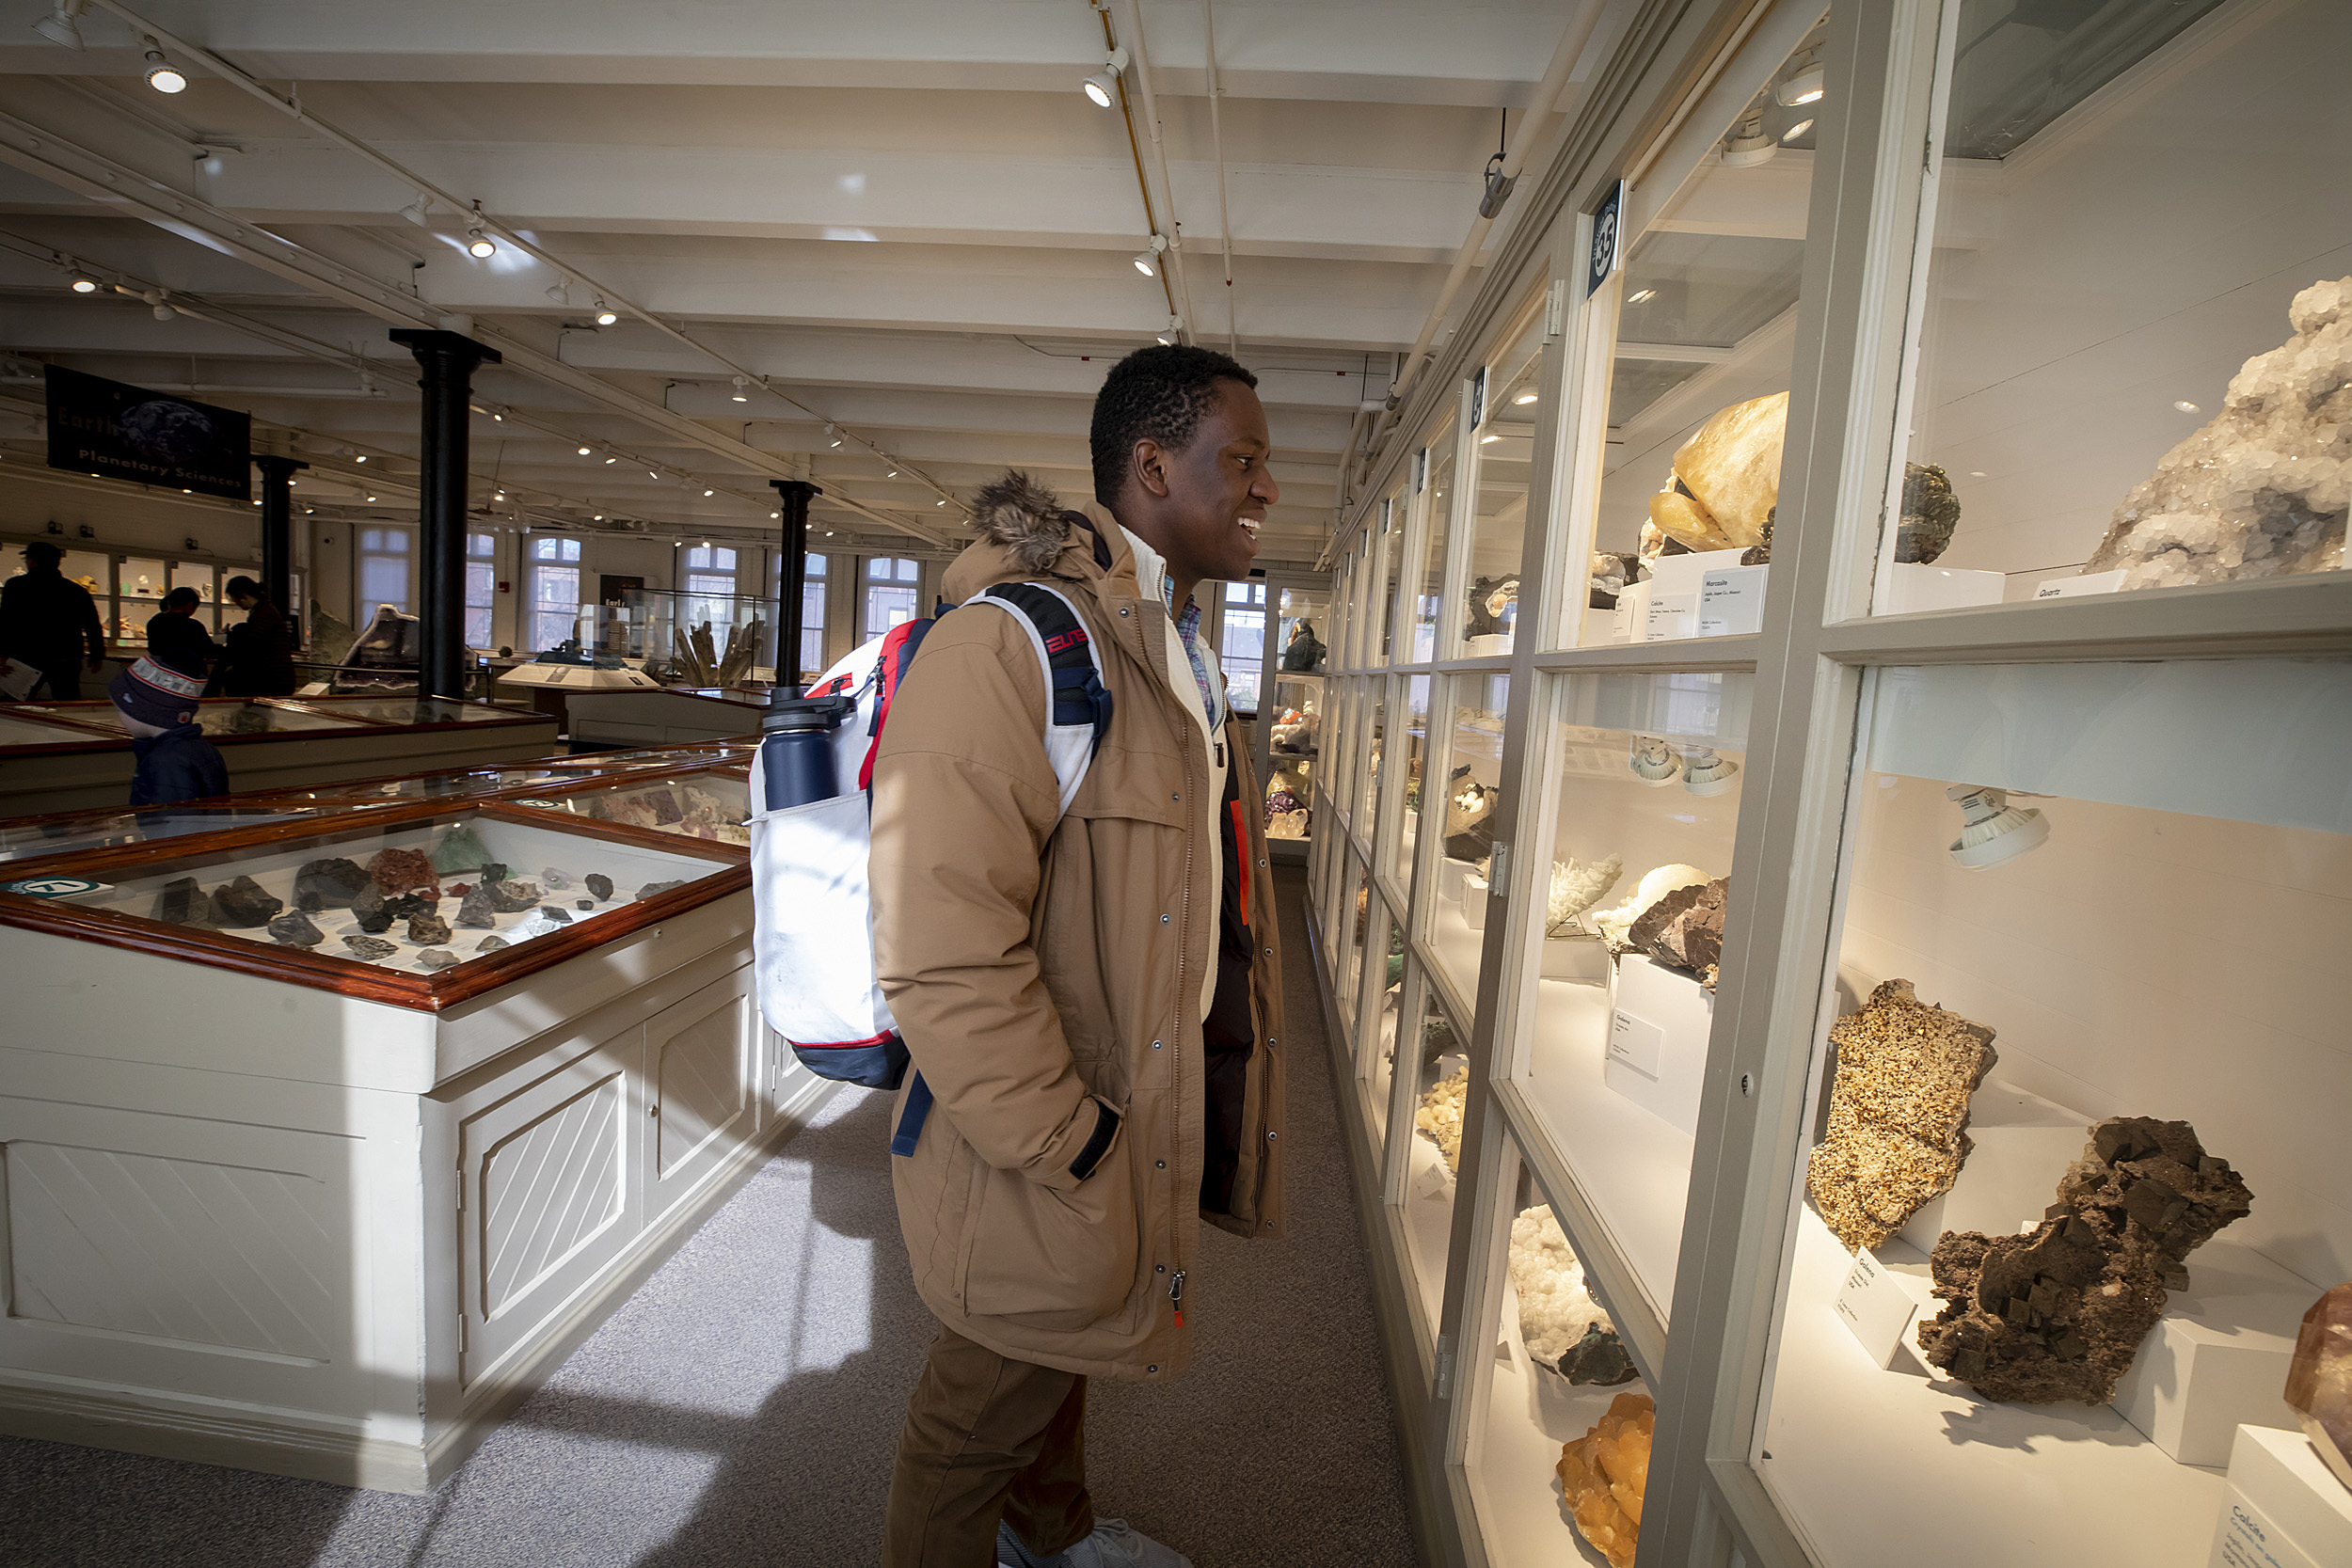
(165, 431)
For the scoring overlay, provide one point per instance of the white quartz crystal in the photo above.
(2262, 490)
(1555, 1307)
(1576, 887)
(1617, 925)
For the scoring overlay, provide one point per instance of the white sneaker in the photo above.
(1113, 1544)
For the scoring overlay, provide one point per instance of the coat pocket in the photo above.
(1053, 1260)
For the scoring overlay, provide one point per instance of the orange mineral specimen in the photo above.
(2319, 1382)
(1603, 1474)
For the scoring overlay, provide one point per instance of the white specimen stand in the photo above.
(271, 1227)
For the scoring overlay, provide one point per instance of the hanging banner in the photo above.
(117, 430)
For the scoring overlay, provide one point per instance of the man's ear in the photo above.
(1150, 466)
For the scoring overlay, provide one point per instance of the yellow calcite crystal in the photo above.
(1439, 1118)
(1727, 478)
(1603, 1473)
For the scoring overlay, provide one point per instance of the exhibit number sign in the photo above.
(117, 430)
(52, 887)
(1608, 238)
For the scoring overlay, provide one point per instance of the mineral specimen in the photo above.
(428, 929)
(512, 897)
(1897, 1113)
(1439, 1118)
(1616, 926)
(584, 903)
(1493, 605)
(1577, 887)
(2319, 1380)
(652, 888)
(438, 957)
(1931, 511)
(1725, 483)
(371, 948)
(555, 880)
(328, 884)
(2056, 1313)
(1612, 575)
(556, 914)
(403, 871)
(599, 885)
(408, 904)
(1684, 929)
(1559, 1320)
(476, 910)
(1604, 1473)
(492, 871)
(2262, 489)
(369, 909)
(489, 944)
(296, 930)
(182, 902)
(459, 848)
(243, 902)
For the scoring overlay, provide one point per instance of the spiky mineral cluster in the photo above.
(1604, 1473)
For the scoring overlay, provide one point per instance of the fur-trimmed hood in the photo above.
(1026, 531)
(1019, 512)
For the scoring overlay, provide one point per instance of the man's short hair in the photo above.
(1157, 393)
(40, 552)
(241, 587)
(183, 598)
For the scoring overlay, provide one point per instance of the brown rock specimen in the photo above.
(1685, 929)
(241, 903)
(1897, 1113)
(599, 885)
(2319, 1381)
(2057, 1312)
(1930, 512)
(399, 871)
(1603, 1474)
(428, 929)
(512, 897)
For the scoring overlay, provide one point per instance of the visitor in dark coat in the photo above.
(46, 621)
(261, 647)
(176, 637)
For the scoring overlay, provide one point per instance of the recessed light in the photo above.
(1524, 398)
(2185, 406)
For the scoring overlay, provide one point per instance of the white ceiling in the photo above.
(905, 215)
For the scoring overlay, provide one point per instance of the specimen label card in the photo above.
(1636, 1043)
(2248, 1539)
(1875, 1307)
(2068, 588)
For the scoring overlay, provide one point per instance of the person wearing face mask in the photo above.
(1089, 990)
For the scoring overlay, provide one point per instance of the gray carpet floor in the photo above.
(741, 1408)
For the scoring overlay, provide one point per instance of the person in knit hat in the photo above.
(157, 701)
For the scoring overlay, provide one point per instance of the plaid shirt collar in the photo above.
(1152, 573)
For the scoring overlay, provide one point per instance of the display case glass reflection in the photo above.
(412, 710)
(1425, 580)
(218, 716)
(1388, 554)
(1382, 935)
(1503, 461)
(1354, 921)
(2079, 1091)
(713, 803)
(1453, 908)
(2068, 425)
(1375, 709)
(1411, 741)
(21, 728)
(28, 838)
(1638, 844)
(1435, 1057)
(1293, 744)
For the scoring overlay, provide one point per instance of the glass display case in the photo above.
(28, 838)
(127, 589)
(711, 804)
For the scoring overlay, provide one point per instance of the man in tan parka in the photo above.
(1092, 996)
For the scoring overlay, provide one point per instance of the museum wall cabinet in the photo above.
(329, 1128)
(62, 756)
(1833, 755)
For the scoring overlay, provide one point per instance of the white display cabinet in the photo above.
(1928, 571)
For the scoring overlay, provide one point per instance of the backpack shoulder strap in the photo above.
(1079, 705)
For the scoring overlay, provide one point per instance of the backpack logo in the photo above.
(1062, 642)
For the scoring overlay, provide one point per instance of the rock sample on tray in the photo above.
(371, 948)
(1604, 1473)
(428, 929)
(2056, 1313)
(477, 910)
(1440, 1116)
(1724, 491)
(2262, 490)
(1576, 887)
(491, 871)
(511, 897)
(652, 888)
(1612, 575)
(328, 884)
(2319, 1380)
(1897, 1113)
(1563, 1326)
(1930, 512)
(438, 959)
(1684, 928)
(458, 849)
(296, 930)
(555, 913)
(370, 908)
(1616, 926)
(241, 903)
(408, 904)
(491, 944)
(554, 878)
(404, 871)
(182, 902)
(599, 885)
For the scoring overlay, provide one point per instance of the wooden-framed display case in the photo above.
(1291, 708)
(310, 1170)
(1925, 574)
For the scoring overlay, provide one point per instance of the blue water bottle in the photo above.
(796, 749)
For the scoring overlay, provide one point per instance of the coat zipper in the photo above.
(1176, 1296)
(1176, 1035)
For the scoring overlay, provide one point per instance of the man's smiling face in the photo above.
(1218, 489)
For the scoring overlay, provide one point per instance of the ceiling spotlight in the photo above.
(419, 210)
(598, 518)
(583, 452)
(1173, 331)
(833, 437)
(1147, 261)
(498, 418)
(85, 285)
(652, 474)
(892, 474)
(161, 74)
(558, 293)
(59, 28)
(1992, 830)
(371, 498)
(707, 494)
(480, 246)
(1804, 84)
(1102, 88)
(605, 316)
(1803, 127)
(499, 496)
(742, 382)
(1653, 762)
(1749, 145)
(165, 312)
(612, 460)
(1524, 398)
(942, 501)
(1705, 773)
(361, 458)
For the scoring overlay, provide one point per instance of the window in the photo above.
(813, 614)
(893, 593)
(480, 587)
(554, 592)
(1241, 644)
(385, 570)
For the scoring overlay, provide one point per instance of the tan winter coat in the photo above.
(1048, 978)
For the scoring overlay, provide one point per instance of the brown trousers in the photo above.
(987, 1438)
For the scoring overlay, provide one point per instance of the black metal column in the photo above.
(796, 494)
(447, 360)
(278, 531)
